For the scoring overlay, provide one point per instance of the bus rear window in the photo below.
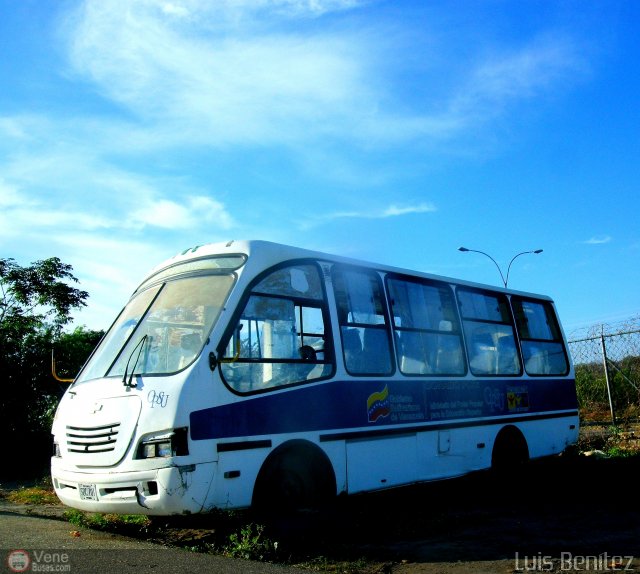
(489, 334)
(540, 337)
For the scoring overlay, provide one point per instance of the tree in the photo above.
(35, 303)
(73, 349)
(36, 294)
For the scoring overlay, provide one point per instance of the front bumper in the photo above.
(164, 491)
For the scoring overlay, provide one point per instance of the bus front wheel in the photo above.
(296, 476)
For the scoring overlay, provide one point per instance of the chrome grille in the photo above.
(92, 439)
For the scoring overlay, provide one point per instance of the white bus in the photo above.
(256, 373)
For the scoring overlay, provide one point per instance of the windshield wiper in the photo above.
(140, 347)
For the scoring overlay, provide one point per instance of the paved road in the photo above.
(53, 545)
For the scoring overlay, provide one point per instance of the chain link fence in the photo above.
(607, 362)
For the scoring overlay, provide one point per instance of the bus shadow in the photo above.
(562, 504)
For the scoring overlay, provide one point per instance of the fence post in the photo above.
(606, 376)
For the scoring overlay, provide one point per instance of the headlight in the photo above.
(155, 449)
(172, 443)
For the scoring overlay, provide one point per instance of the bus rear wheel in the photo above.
(510, 455)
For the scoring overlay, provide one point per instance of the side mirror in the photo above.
(213, 361)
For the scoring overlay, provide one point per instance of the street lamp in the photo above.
(505, 281)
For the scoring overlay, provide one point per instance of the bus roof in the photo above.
(270, 253)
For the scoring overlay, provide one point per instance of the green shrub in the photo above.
(251, 544)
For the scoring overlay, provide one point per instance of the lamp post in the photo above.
(504, 281)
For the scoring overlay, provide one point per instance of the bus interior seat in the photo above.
(413, 358)
(308, 355)
(508, 363)
(352, 349)
(482, 354)
(537, 360)
(191, 342)
(556, 361)
(376, 356)
(450, 359)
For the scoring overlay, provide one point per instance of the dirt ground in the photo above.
(572, 513)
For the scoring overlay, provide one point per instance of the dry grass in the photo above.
(33, 495)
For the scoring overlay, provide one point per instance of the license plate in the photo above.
(88, 492)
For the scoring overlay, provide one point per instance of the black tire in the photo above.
(297, 476)
(510, 451)
(510, 479)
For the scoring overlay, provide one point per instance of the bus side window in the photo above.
(427, 328)
(363, 322)
(489, 333)
(540, 337)
(280, 338)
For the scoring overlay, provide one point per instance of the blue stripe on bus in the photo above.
(380, 404)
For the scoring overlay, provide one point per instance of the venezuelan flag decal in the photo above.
(378, 405)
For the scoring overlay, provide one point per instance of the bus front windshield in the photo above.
(162, 329)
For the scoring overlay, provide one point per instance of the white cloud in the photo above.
(192, 212)
(394, 210)
(381, 213)
(216, 85)
(9, 195)
(14, 128)
(598, 240)
(175, 9)
(109, 268)
(48, 196)
(235, 72)
(513, 75)
(162, 213)
(40, 219)
(230, 11)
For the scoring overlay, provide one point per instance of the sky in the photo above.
(389, 131)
